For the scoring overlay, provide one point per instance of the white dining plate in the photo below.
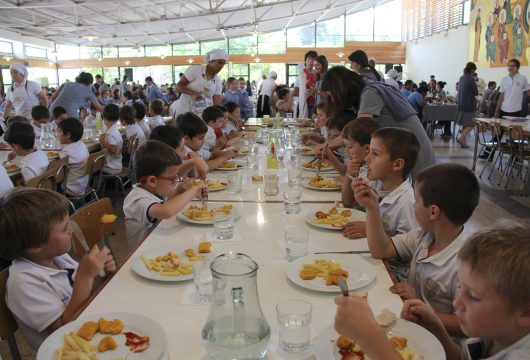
(137, 324)
(238, 166)
(223, 182)
(306, 185)
(183, 217)
(138, 266)
(424, 344)
(12, 171)
(322, 169)
(356, 215)
(361, 273)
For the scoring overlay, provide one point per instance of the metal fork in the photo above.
(322, 158)
(204, 194)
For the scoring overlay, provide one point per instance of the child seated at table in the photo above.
(491, 306)
(233, 118)
(5, 182)
(90, 120)
(156, 196)
(320, 125)
(446, 196)
(112, 140)
(40, 116)
(139, 117)
(46, 287)
(58, 114)
(194, 130)
(284, 104)
(131, 127)
(70, 132)
(156, 109)
(214, 119)
(392, 154)
(193, 165)
(335, 154)
(32, 162)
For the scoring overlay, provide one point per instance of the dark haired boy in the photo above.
(446, 196)
(21, 137)
(131, 127)
(335, 126)
(156, 196)
(139, 117)
(40, 116)
(214, 119)
(156, 109)
(59, 113)
(112, 140)
(70, 132)
(194, 130)
(89, 121)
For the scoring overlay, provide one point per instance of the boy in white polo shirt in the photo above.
(156, 196)
(46, 287)
(112, 140)
(391, 157)
(21, 137)
(156, 109)
(70, 132)
(511, 91)
(58, 114)
(40, 117)
(446, 196)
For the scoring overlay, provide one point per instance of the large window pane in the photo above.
(163, 50)
(240, 70)
(110, 52)
(90, 52)
(272, 43)
(67, 52)
(43, 76)
(388, 21)
(161, 74)
(129, 51)
(360, 25)
(330, 33)
(242, 45)
(6, 47)
(301, 36)
(186, 49)
(68, 75)
(36, 52)
(210, 45)
(95, 71)
(110, 74)
(258, 70)
(6, 76)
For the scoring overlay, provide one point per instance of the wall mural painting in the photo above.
(499, 30)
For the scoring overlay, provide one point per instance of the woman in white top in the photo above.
(200, 86)
(24, 94)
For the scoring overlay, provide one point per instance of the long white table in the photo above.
(260, 230)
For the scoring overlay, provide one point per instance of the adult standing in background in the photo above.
(393, 78)
(511, 91)
(100, 84)
(200, 86)
(73, 95)
(265, 95)
(300, 87)
(245, 106)
(466, 103)
(124, 86)
(153, 92)
(359, 64)
(24, 94)
(321, 68)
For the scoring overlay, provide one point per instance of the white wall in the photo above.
(445, 56)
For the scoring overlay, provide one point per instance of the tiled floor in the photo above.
(496, 205)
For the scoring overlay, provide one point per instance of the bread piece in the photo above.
(205, 247)
(386, 318)
(88, 330)
(344, 342)
(107, 343)
(308, 274)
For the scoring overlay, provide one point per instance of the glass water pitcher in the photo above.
(47, 139)
(236, 327)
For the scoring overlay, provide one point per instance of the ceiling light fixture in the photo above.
(257, 59)
(99, 59)
(340, 54)
(190, 60)
(90, 37)
(8, 58)
(127, 62)
(50, 63)
(162, 57)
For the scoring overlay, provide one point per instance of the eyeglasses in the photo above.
(511, 65)
(173, 180)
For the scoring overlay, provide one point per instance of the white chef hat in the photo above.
(20, 68)
(216, 54)
(272, 74)
(393, 73)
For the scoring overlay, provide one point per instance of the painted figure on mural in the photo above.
(517, 32)
(491, 46)
(502, 38)
(478, 32)
(508, 7)
(496, 9)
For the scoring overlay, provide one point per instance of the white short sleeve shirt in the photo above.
(209, 139)
(89, 122)
(513, 88)
(77, 179)
(37, 130)
(476, 349)
(5, 182)
(24, 97)
(37, 295)
(433, 278)
(145, 127)
(113, 163)
(33, 164)
(155, 121)
(135, 129)
(135, 207)
(397, 210)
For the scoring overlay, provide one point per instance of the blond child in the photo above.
(46, 287)
(445, 197)
(156, 196)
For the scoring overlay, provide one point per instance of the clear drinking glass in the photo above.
(292, 198)
(234, 182)
(271, 185)
(202, 279)
(223, 225)
(296, 243)
(294, 325)
(295, 174)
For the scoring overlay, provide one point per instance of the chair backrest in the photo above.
(8, 325)
(482, 129)
(44, 181)
(94, 164)
(60, 169)
(130, 144)
(516, 135)
(88, 219)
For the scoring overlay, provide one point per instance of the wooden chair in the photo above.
(519, 152)
(8, 325)
(44, 181)
(60, 170)
(126, 176)
(87, 227)
(94, 169)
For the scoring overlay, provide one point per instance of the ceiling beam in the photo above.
(295, 13)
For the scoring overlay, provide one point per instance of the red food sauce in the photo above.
(135, 342)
